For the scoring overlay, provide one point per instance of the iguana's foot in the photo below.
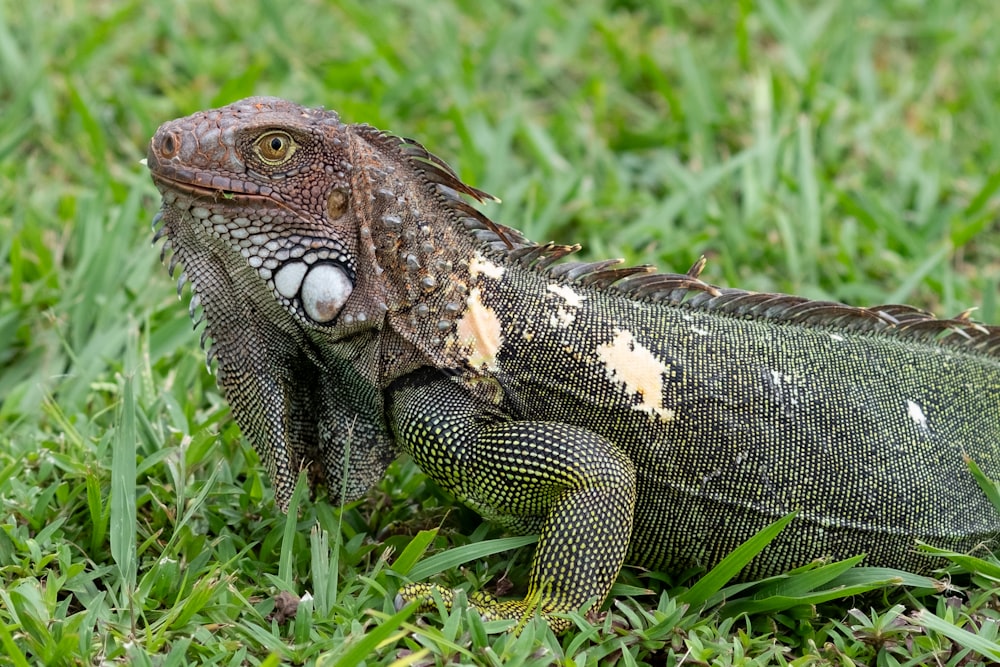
(487, 606)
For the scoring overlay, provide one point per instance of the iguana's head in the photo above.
(327, 257)
(271, 182)
(340, 223)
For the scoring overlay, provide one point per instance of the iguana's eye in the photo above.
(274, 147)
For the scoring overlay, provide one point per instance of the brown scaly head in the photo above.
(328, 260)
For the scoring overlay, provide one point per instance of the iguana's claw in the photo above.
(487, 606)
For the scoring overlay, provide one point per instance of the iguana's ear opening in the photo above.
(337, 203)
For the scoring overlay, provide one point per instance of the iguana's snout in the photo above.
(260, 147)
(188, 152)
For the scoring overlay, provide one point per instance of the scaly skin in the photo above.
(359, 308)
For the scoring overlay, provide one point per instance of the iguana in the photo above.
(360, 307)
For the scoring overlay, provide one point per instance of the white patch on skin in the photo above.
(916, 414)
(836, 337)
(482, 266)
(325, 290)
(636, 368)
(566, 292)
(785, 387)
(715, 472)
(699, 331)
(562, 318)
(480, 331)
(565, 313)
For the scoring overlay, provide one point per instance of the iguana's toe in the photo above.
(487, 606)
(424, 594)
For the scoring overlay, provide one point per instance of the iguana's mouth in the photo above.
(192, 183)
(170, 175)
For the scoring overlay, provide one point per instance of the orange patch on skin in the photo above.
(479, 330)
(637, 369)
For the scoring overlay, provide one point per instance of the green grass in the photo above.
(843, 150)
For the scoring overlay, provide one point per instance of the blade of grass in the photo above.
(960, 636)
(359, 651)
(857, 575)
(319, 547)
(409, 556)
(713, 581)
(13, 651)
(970, 563)
(285, 570)
(460, 555)
(123, 510)
(990, 487)
(780, 603)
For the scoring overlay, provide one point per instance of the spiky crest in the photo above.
(685, 290)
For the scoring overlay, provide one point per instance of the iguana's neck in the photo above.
(417, 242)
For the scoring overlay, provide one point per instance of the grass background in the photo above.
(838, 149)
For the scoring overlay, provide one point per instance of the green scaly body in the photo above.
(731, 423)
(359, 307)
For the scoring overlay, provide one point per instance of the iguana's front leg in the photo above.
(567, 483)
